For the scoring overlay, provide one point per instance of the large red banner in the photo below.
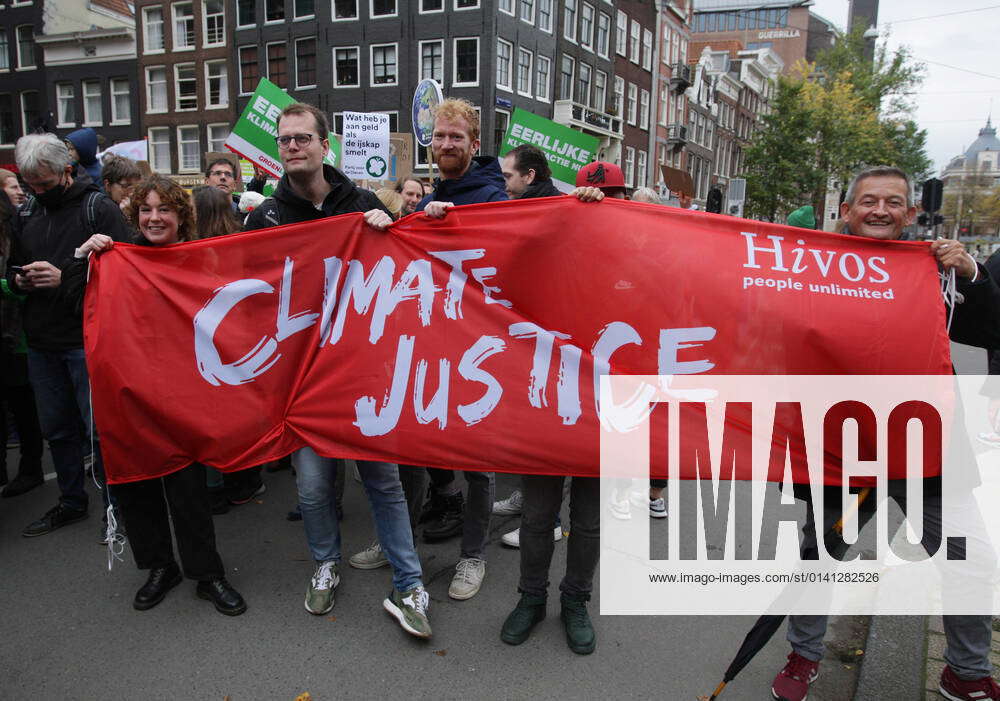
(475, 341)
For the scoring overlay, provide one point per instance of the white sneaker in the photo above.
(620, 506)
(371, 558)
(469, 574)
(511, 506)
(513, 539)
(657, 508)
(319, 596)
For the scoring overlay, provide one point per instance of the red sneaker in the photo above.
(951, 687)
(792, 682)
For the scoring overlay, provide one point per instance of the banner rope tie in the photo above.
(950, 293)
(114, 539)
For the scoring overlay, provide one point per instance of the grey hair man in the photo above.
(59, 215)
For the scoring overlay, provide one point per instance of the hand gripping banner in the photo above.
(476, 341)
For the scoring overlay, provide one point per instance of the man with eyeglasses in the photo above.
(309, 190)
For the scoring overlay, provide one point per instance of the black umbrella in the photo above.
(767, 625)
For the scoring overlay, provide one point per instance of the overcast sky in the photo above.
(953, 104)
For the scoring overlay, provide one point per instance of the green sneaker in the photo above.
(410, 609)
(528, 612)
(319, 596)
(579, 630)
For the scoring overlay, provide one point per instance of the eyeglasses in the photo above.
(300, 139)
(220, 173)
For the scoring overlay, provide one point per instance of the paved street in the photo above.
(69, 630)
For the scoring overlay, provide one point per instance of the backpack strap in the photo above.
(90, 211)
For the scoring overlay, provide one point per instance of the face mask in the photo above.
(51, 197)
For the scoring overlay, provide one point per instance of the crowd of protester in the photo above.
(66, 205)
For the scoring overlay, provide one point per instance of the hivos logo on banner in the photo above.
(477, 341)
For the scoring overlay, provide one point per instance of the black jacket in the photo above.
(52, 319)
(285, 207)
(540, 188)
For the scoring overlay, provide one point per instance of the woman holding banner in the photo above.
(165, 215)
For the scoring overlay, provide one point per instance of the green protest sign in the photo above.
(252, 137)
(567, 150)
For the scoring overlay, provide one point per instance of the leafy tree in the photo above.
(828, 120)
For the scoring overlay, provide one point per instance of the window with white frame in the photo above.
(633, 100)
(466, 62)
(675, 47)
(543, 68)
(249, 69)
(545, 15)
(600, 90)
(152, 30)
(65, 105)
(504, 54)
(7, 131)
(629, 166)
(621, 34)
(506, 6)
(183, 25)
(217, 135)
(432, 60)
(383, 64)
(633, 42)
(274, 10)
(524, 61)
(29, 110)
(566, 71)
(4, 50)
(216, 84)
(159, 149)
(664, 105)
(246, 13)
(188, 149)
(644, 109)
(277, 64)
(214, 23)
(121, 101)
(665, 51)
(305, 62)
(647, 49)
(345, 67)
(383, 8)
(587, 26)
(583, 78)
(466, 4)
(603, 34)
(569, 19)
(431, 6)
(501, 122)
(185, 87)
(618, 100)
(93, 112)
(345, 9)
(528, 11)
(156, 89)
(305, 8)
(26, 49)
(640, 171)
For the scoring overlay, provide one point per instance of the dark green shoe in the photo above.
(528, 612)
(579, 630)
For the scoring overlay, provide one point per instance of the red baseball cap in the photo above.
(600, 174)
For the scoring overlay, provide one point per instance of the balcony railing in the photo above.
(680, 77)
(677, 135)
(573, 114)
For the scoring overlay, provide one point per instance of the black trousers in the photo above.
(17, 395)
(543, 495)
(145, 505)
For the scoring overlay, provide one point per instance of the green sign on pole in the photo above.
(252, 137)
(567, 150)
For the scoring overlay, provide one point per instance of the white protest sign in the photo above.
(365, 145)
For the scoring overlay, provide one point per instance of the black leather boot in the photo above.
(160, 581)
(221, 593)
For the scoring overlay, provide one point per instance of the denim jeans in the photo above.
(62, 391)
(543, 496)
(315, 477)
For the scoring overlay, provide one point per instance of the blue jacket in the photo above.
(482, 182)
(85, 141)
